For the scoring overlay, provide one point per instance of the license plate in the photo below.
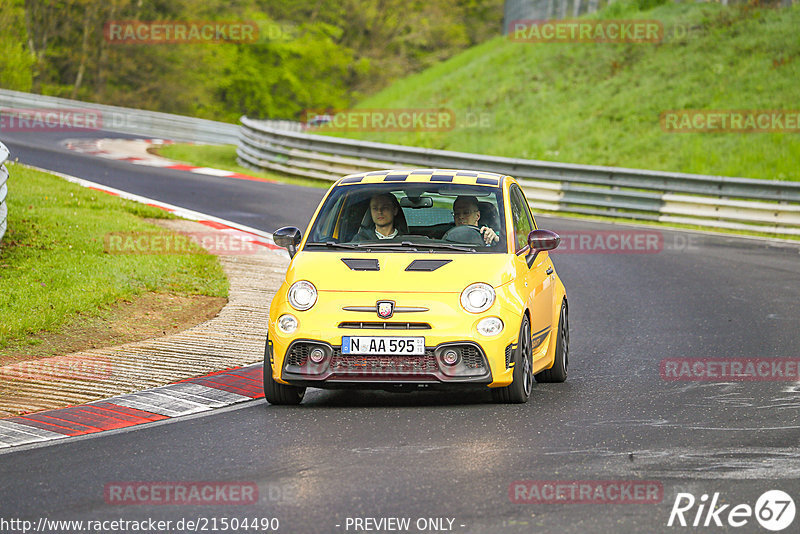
(383, 345)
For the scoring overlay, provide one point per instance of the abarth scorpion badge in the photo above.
(385, 308)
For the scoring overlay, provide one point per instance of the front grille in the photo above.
(377, 325)
(383, 365)
(508, 356)
(471, 357)
(299, 354)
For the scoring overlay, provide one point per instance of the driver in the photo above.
(383, 208)
(466, 213)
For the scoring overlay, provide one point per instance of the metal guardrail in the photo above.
(4, 155)
(127, 120)
(708, 201)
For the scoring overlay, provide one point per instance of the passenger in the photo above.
(383, 208)
(466, 213)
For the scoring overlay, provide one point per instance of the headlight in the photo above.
(287, 323)
(477, 297)
(302, 295)
(490, 326)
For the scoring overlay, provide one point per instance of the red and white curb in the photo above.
(135, 151)
(187, 397)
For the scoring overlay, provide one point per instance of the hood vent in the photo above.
(426, 265)
(362, 264)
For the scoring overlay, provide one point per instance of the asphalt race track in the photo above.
(447, 461)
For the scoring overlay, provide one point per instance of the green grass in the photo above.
(600, 104)
(53, 268)
(224, 157)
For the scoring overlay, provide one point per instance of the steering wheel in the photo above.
(465, 234)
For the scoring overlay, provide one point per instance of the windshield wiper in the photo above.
(449, 246)
(394, 244)
(334, 244)
(391, 244)
(368, 246)
(400, 244)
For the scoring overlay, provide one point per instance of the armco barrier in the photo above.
(768, 206)
(3, 190)
(135, 121)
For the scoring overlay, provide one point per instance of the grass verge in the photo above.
(54, 272)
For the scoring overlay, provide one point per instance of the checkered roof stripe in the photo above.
(425, 175)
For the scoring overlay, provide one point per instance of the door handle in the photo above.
(549, 270)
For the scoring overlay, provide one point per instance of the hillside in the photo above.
(600, 103)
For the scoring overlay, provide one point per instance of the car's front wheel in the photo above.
(275, 392)
(519, 391)
(558, 372)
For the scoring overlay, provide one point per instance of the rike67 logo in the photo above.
(774, 510)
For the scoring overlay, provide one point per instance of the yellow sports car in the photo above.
(418, 279)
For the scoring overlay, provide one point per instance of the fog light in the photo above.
(490, 326)
(287, 323)
(450, 357)
(317, 355)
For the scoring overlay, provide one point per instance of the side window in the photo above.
(521, 218)
(326, 225)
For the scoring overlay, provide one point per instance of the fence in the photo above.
(708, 201)
(135, 121)
(3, 190)
(548, 9)
(562, 9)
(131, 121)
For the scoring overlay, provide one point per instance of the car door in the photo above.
(537, 282)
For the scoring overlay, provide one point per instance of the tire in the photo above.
(277, 393)
(558, 373)
(519, 390)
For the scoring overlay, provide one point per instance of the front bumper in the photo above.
(472, 365)
(483, 360)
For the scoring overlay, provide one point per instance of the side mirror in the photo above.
(288, 237)
(539, 240)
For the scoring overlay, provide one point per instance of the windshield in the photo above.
(428, 217)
